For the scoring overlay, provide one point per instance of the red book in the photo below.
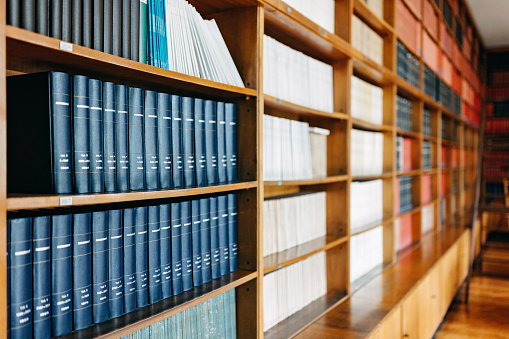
(443, 185)
(426, 188)
(396, 197)
(405, 231)
(454, 156)
(407, 154)
(444, 157)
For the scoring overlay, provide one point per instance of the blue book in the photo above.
(82, 271)
(164, 140)
(199, 143)
(100, 269)
(81, 134)
(136, 140)
(165, 240)
(231, 142)
(95, 92)
(214, 238)
(154, 255)
(221, 143)
(176, 247)
(122, 137)
(41, 276)
(196, 242)
(176, 142)
(110, 155)
(205, 238)
(232, 230)
(20, 276)
(151, 153)
(129, 260)
(116, 264)
(140, 217)
(187, 249)
(211, 141)
(224, 258)
(188, 141)
(61, 274)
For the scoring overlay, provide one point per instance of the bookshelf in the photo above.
(243, 24)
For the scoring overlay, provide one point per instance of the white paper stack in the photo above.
(366, 204)
(318, 142)
(366, 252)
(367, 101)
(377, 6)
(293, 220)
(292, 288)
(396, 234)
(319, 11)
(292, 76)
(367, 40)
(366, 153)
(427, 218)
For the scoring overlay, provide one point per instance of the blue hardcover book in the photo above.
(187, 249)
(199, 143)
(122, 137)
(165, 241)
(151, 153)
(81, 134)
(232, 230)
(231, 141)
(82, 271)
(176, 142)
(211, 141)
(221, 143)
(140, 217)
(110, 155)
(214, 238)
(176, 247)
(196, 242)
(20, 276)
(116, 264)
(95, 92)
(164, 140)
(61, 274)
(205, 238)
(100, 269)
(154, 255)
(41, 276)
(188, 141)
(129, 261)
(224, 258)
(136, 140)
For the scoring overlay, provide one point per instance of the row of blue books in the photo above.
(69, 271)
(404, 113)
(81, 135)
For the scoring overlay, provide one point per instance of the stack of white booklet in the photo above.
(427, 218)
(292, 288)
(292, 76)
(366, 252)
(293, 220)
(367, 40)
(319, 11)
(366, 204)
(377, 6)
(366, 153)
(367, 101)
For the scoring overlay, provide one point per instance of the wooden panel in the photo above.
(343, 19)
(424, 310)
(338, 261)
(410, 315)
(391, 329)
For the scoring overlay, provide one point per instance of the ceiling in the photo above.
(491, 18)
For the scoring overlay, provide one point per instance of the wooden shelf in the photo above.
(307, 182)
(32, 202)
(273, 103)
(369, 227)
(409, 89)
(368, 126)
(298, 253)
(385, 175)
(371, 71)
(412, 211)
(430, 138)
(412, 172)
(408, 134)
(371, 19)
(431, 171)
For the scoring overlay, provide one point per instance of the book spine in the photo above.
(116, 36)
(232, 230)
(224, 258)
(221, 143)
(176, 247)
(122, 137)
(154, 255)
(151, 154)
(81, 132)
(199, 143)
(126, 29)
(196, 242)
(188, 141)
(20, 277)
(100, 269)
(28, 15)
(129, 260)
(214, 238)
(140, 217)
(77, 19)
(14, 13)
(110, 159)
(136, 140)
(135, 30)
(142, 56)
(211, 142)
(176, 141)
(93, 24)
(61, 274)
(42, 17)
(187, 249)
(55, 19)
(164, 140)
(41, 276)
(61, 132)
(165, 245)
(66, 21)
(107, 18)
(82, 271)
(116, 264)
(205, 238)
(231, 142)
(95, 88)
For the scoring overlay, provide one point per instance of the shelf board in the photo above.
(447, 142)
(307, 182)
(371, 19)
(151, 314)
(369, 227)
(409, 134)
(298, 110)
(298, 253)
(496, 209)
(368, 126)
(409, 89)
(384, 175)
(430, 138)
(431, 171)
(412, 211)
(17, 202)
(28, 51)
(369, 70)
(412, 172)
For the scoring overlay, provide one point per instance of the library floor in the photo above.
(486, 315)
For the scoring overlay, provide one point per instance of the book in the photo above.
(366, 252)
(164, 146)
(151, 154)
(210, 108)
(109, 127)
(205, 238)
(154, 254)
(232, 231)
(108, 26)
(126, 29)
(188, 150)
(231, 142)
(222, 161)
(366, 101)
(141, 228)
(96, 25)
(224, 252)
(176, 247)
(116, 264)
(66, 21)
(196, 243)
(366, 40)
(136, 139)
(122, 137)
(41, 246)
(100, 266)
(187, 247)
(55, 19)
(77, 19)
(142, 56)
(165, 240)
(135, 22)
(200, 157)
(319, 11)
(96, 136)
(366, 204)
(408, 65)
(176, 141)
(214, 238)
(81, 134)
(129, 232)
(366, 153)
(82, 271)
